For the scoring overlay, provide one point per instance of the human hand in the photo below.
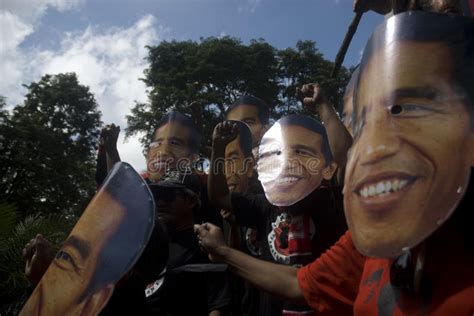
(229, 217)
(108, 137)
(38, 254)
(311, 95)
(224, 133)
(211, 240)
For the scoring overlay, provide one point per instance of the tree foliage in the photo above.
(47, 157)
(14, 234)
(216, 71)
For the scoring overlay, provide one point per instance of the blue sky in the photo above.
(103, 40)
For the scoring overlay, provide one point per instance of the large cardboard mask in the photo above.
(103, 246)
(413, 145)
(294, 157)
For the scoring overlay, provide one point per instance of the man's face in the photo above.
(249, 115)
(238, 168)
(412, 151)
(170, 144)
(173, 207)
(70, 273)
(291, 164)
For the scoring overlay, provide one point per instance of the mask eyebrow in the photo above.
(82, 246)
(427, 93)
(312, 150)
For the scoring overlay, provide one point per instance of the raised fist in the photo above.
(224, 133)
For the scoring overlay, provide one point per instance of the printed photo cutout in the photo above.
(103, 246)
(413, 145)
(174, 145)
(294, 157)
(239, 162)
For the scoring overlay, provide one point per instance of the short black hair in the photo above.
(245, 140)
(262, 108)
(133, 232)
(194, 135)
(454, 31)
(312, 125)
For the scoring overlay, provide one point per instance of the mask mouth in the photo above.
(383, 191)
(283, 180)
(160, 164)
(383, 184)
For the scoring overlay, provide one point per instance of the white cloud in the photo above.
(222, 34)
(108, 60)
(248, 5)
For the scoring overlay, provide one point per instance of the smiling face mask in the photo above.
(294, 157)
(413, 145)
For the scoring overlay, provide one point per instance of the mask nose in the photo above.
(378, 138)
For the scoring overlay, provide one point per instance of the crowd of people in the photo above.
(366, 213)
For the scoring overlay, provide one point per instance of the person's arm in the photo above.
(218, 191)
(279, 280)
(340, 140)
(101, 165)
(234, 240)
(109, 136)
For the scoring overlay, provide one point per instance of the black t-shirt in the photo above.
(187, 292)
(323, 206)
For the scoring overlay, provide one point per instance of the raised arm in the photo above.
(279, 280)
(218, 191)
(340, 140)
(108, 139)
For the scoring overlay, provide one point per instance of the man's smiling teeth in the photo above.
(159, 164)
(382, 188)
(285, 180)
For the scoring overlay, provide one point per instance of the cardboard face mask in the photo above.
(239, 161)
(413, 145)
(294, 157)
(103, 246)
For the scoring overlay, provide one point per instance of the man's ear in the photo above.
(329, 170)
(97, 301)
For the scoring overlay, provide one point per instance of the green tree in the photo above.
(47, 158)
(215, 71)
(306, 64)
(14, 234)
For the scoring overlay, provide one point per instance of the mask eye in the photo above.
(62, 255)
(411, 110)
(396, 109)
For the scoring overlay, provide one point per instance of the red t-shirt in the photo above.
(344, 282)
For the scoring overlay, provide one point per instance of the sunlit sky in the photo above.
(103, 41)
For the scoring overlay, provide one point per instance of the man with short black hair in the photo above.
(189, 275)
(252, 111)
